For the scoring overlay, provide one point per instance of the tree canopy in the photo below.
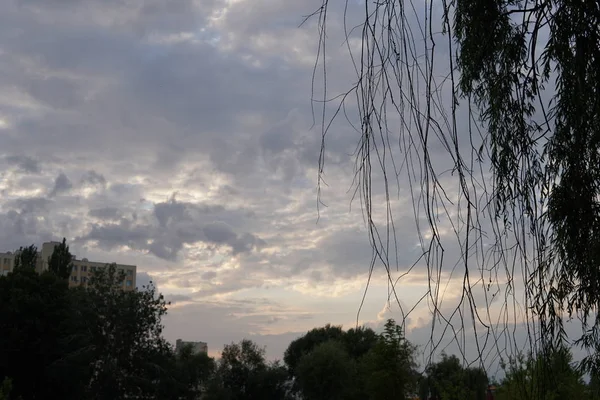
(357, 364)
(244, 374)
(550, 375)
(61, 260)
(26, 257)
(99, 342)
(448, 379)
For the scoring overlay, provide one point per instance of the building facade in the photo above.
(197, 347)
(81, 272)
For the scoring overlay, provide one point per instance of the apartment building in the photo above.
(82, 269)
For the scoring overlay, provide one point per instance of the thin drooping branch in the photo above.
(493, 127)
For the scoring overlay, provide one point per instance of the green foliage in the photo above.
(448, 380)
(5, 389)
(26, 257)
(551, 375)
(389, 366)
(593, 388)
(358, 341)
(193, 372)
(90, 343)
(353, 364)
(326, 373)
(61, 260)
(125, 335)
(270, 382)
(305, 344)
(545, 166)
(34, 313)
(243, 374)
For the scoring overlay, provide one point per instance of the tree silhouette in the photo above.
(61, 260)
(26, 257)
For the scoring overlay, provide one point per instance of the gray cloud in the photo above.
(93, 178)
(21, 229)
(24, 163)
(61, 184)
(105, 213)
(31, 205)
(135, 101)
(219, 232)
(172, 225)
(170, 211)
(111, 235)
(143, 279)
(178, 298)
(209, 275)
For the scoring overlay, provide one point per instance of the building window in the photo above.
(83, 279)
(6, 261)
(83, 268)
(74, 267)
(74, 279)
(129, 272)
(128, 283)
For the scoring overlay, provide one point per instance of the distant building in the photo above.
(197, 347)
(81, 272)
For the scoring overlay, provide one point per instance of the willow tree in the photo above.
(507, 93)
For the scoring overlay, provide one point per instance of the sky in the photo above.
(178, 136)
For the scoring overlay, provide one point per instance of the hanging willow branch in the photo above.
(516, 114)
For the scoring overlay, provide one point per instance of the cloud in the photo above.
(61, 184)
(105, 213)
(221, 233)
(231, 322)
(177, 136)
(209, 275)
(31, 205)
(172, 225)
(142, 280)
(93, 178)
(24, 163)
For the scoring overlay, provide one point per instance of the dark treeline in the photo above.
(105, 343)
